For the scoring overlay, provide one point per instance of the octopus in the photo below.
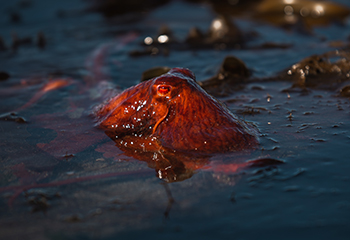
(174, 113)
(167, 121)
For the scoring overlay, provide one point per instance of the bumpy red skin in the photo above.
(173, 112)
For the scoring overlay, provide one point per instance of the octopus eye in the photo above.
(163, 89)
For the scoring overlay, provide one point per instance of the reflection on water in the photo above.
(173, 166)
(169, 165)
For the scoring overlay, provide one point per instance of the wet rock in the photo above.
(231, 7)
(159, 44)
(233, 67)
(111, 8)
(223, 33)
(145, 52)
(311, 13)
(154, 72)
(320, 71)
(251, 110)
(165, 35)
(272, 45)
(297, 15)
(263, 162)
(4, 76)
(232, 74)
(13, 117)
(345, 91)
(195, 36)
(222, 30)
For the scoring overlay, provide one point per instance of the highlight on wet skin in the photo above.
(173, 112)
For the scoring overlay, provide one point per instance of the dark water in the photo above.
(82, 187)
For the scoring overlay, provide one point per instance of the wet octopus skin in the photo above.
(174, 112)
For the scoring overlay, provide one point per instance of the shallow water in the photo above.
(85, 188)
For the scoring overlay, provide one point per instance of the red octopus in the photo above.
(169, 121)
(173, 112)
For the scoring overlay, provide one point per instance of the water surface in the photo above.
(92, 190)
